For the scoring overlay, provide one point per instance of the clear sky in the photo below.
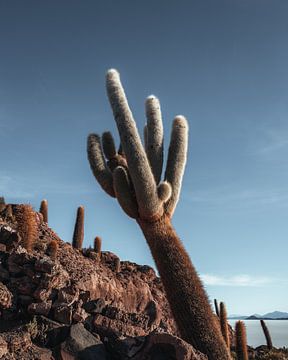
(222, 64)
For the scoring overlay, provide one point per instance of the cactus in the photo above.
(135, 181)
(117, 265)
(78, 235)
(216, 308)
(224, 324)
(241, 341)
(27, 226)
(52, 249)
(97, 244)
(44, 210)
(267, 334)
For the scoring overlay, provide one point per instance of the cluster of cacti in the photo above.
(224, 324)
(27, 226)
(78, 235)
(241, 341)
(133, 176)
(44, 210)
(266, 334)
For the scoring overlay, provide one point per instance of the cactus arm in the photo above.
(164, 191)
(154, 148)
(187, 298)
(98, 165)
(139, 168)
(108, 145)
(124, 192)
(145, 133)
(176, 162)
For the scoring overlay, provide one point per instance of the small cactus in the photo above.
(78, 235)
(267, 334)
(241, 341)
(44, 210)
(27, 226)
(224, 324)
(216, 307)
(52, 249)
(117, 265)
(97, 244)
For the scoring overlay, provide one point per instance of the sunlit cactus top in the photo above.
(133, 174)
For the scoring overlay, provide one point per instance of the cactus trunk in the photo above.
(184, 290)
(266, 334)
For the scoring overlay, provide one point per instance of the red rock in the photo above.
(63, 313)
(42, 308)
(172, 346)
(3, 347)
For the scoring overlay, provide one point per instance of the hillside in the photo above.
(58, 302)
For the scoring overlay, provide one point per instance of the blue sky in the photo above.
(222, 64)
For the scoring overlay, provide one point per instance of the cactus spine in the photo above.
(44, 210)
(27, 226)
(78, 235)
(97, 245)
(224, 324)
(241, 341)
(266, 334)
(135, 181)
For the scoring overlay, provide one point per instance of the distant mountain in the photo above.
(238, 317)
(275, 315)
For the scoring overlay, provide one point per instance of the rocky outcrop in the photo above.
(77, 304)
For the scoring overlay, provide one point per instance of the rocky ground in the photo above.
(76, 304)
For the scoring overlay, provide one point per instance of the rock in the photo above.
(3, 347)
(80, 314)
(45, 265)
(19, 342)
(94, 306)
(63, 313)
(163, 346)
(83, 345)
(42, 308)
(3, 247)
(68, 295)
(4, 274)
(5, 297)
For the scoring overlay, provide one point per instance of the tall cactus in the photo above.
(133, 176)
(224, 324)
(78, 235)
(266, 334)
(241, 341)
(44, 210)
